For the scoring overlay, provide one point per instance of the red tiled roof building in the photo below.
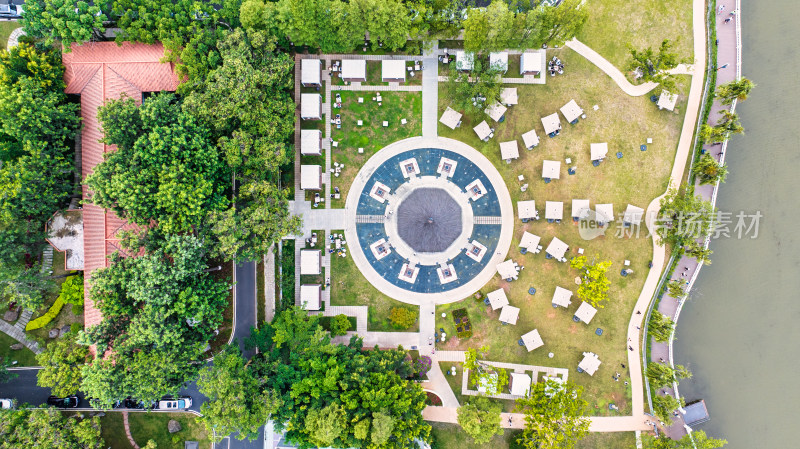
(101, 71)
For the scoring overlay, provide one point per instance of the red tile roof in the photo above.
(101, 71)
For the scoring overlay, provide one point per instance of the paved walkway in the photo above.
(430, 92)
(128, 430)
(13, 38)
(269, 286)
(392, 87)
(615, 74)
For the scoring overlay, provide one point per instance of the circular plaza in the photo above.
(428, 220)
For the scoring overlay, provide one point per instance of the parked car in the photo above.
(6, 404)
(137, 405)
(8, 11)
(179, 403)
(66, 402)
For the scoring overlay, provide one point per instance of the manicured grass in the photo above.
(152, 426)
(112, 429)
(614, 24)
(224, 275)
(325, 322)
(452, 436)
(24, 357)
(6, 27)
(610, 440)
(625, 123)
(350, 288)
(513, 67)
(371, 136)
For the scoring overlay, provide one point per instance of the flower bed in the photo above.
(463, 325)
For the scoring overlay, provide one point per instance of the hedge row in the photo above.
(45, 319)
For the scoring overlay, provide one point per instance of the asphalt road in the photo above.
(25, 390)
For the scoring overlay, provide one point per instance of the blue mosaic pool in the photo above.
(390, 174)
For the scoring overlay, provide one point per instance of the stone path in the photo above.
(610, 70)
(269, 280)
(430, 92)
(128, 431)
(13, 38)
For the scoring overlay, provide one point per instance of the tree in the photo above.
(473, 91)
(480, 419)
(487, 376)
(549, 25)
(160, 310)
(5, 375)
(23, 284)
(675, 288)
(696, 440)
(660, 326)
(578, 262)
(34, 61)
(48, 428)
(340, 324)
(236, 400)
(662, 375)
(683, 218)
(665, 405)
(699, 252)
(554, 416)
(653, 66)
(489, 29)
(386, 21)
(709, 171)
(63, 20)
(62, 362)
(734, 90)
(402, 318)
(171, 174)
(595, 285)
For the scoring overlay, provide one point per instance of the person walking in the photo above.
(721, 7)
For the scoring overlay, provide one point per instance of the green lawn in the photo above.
(145, 426)
(350, 288)
(451, 436)
(625, 123)
(371, 136)
(67, 316)
(6, 27)
(24, 357)
(614, 24)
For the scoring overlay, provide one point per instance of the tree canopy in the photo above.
(653, 65)
(554, 416)
(67, 21)
(684, 217)
(734, 90)
(709, 171)
(48, 428)
(473, 91)
(480, 419)
(697, 440)
(62, 362)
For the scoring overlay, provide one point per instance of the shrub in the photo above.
(463, 326)
(339, 325)
(422, 365)
(72, 291)
(402, 318)
(45, 319)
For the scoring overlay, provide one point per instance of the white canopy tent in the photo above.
(483, 131)
(530, 139)
(605, 212)
(572, 112)
(532, 62)
(557, 248)
(599, 151)
(590, 363)
(311, 177)
(310, 262)
(310, 72)
(553, 210)
(562, 297)
(507, 269)
(529, 241)
(580, 209)
(633, 215)
(667, 100)
(508, 96)
(393, 70)
(496, 111)
(509, 314)
(551, 123)
(311, 296)
(451, 118)
(585, 312)
(310, 106)
(526, 210)
(354, 70)
(520, 384)
(499, 61)
(497, 299)
(310, 142)
(551, 169)
(532, 340)
(509, 150)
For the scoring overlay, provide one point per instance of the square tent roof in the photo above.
(605, 212)
(508, 96)
(599, 150)
(310, 261)
(497, 299)
(585, 312)
(500, 60)
(667, 100)
(496, 111)
(310, 72)
(354, 69)
(530, 139)
(310, 177)
(531, 61)
(553, 210)
(551, 123)
(311, 106)
(393, 69)
(310, 141)
(529, 241)
(590, 363)
(557, 248)
(551, 169)
(311, 296)
(509, 314)
(464, 60)
(562, 297)
(526, 209)
(509, 150)
(580, 208)
(571, 111)
(520, 384)
(532, 340)
(483, 130)
(451, 118)
(633, 215)
(507, 270)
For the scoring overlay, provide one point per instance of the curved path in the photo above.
(615, 74)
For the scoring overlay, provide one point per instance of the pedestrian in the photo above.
(722, 66)
(630, 348)
(626, 383)
(629, 339)
(721, 7)
(661, 359)
(638, 328)
(638, 312)
(727, 20)
(623, 365)
(733, 13)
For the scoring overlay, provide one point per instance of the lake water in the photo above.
(740, 333)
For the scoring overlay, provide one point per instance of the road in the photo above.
(25, 390)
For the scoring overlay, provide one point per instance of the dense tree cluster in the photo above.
(480, 419)
(684, 220)
(48, 428)
(555, 416)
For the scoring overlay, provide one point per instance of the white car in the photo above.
(6, 404)
(181, 403)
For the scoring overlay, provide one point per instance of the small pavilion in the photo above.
(311, 177)
(465, 61)
(590, 363)
(599, 151)
(552, 124)
(526, 210)
(605, 213)
(310, 262)
(451, 118)
(310, 141)
(531, 63)
(496, 112)
(354, 70)
(557, 249)
(311, 72)
(530, 139)
(562, 297)
(393, 70)
(667, 100)
(311, 106)
(532, 340)
(551, 169)
(585, 312)
(572, 112)
(497, 299)
(509, 314)
(508, 96)
(483, 131)
(508, 270)
(553, 210)
(499, 61)
(519, 384)
(509, 151)
(311, 296)
(632, 216)
(580, 209)
(530, 242)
